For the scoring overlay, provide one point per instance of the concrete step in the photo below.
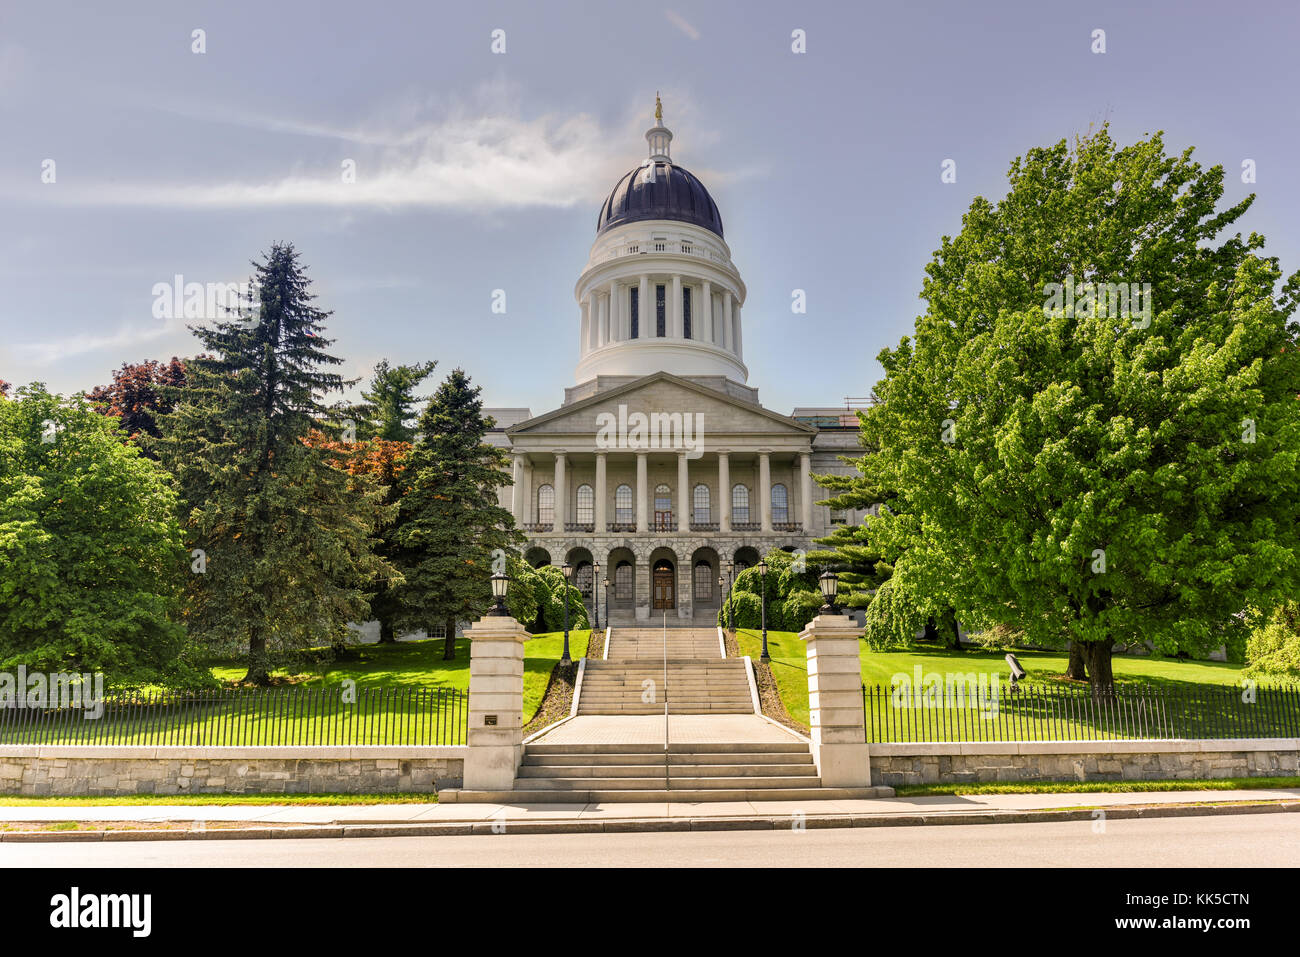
(739, 747)
(571, 771)
(652, 781)
(697, 796)
(711, 759)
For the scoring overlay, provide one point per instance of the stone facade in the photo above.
(52, 770)
(899, 764)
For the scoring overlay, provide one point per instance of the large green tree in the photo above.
(1078, 469)
(287, 539)
(450, 525)
(91, 555)
(389, 402)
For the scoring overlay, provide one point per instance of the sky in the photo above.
(128, 158)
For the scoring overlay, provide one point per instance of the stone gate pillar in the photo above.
(839, 742)
(496, 703)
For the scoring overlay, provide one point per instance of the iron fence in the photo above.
(1062, 713)
(291, 716)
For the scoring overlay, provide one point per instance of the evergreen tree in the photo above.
(450, 522)
(387, 409)
(286, 538)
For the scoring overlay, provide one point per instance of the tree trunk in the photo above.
(953, 628)
(1097, 657)
(449, 645)
(930, 633)
(1078, 669)
(387, 632)
(257, 671)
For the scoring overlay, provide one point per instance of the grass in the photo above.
(1093, 787)
(789, 667)
(219, 800)
(280, 716)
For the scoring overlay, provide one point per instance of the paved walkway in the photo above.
(682, 729)
(954, 807)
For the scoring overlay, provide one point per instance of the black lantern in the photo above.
(568, 576)
(731, 580)
(500, 585)
(762, 579)
(595, 596)
(830, 585)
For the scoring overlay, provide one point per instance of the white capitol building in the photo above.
(661, 465)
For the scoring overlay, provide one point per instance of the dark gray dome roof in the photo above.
(675, 193)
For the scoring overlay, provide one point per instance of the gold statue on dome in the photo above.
(659, 110)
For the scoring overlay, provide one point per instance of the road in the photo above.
(1255, 840)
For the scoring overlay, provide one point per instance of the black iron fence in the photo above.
(291, 716)
(983, 712)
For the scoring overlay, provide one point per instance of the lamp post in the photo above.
(762, 578)
(568, 575)
(731, 581)
(606, 583)
(595, 595)
(500, 585)
(830, 585)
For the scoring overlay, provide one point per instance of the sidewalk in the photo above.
(384, 820)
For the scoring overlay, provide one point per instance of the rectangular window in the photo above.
(660, 312)
(686, 311)
(634, 310)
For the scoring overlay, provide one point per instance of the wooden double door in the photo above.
(663, 582)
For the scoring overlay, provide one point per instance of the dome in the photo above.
(674, 193)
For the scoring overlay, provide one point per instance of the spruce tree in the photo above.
(450, 522)
(286, 543)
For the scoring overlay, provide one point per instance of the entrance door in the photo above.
(663, 595)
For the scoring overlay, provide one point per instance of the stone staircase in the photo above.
(772, 766)
(751, 771)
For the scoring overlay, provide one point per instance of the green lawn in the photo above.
(396, 702)
(1132, 673)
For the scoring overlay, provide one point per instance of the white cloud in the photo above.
(677, 20)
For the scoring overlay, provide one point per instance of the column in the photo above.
(600, 499)
(642, 483)
(615, 327)
(765, 489)
(839, 745)
(706, 312)
(561, 493)
(727, 331)
(602, 315)
(683, 494)
(724, 492)
(739, 347)
(517, 498)
(805, 491)
(496, 703)
(678, 330)
(586, 337)
(647, 309)
(528, 493)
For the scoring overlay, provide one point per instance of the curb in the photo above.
(641, 825)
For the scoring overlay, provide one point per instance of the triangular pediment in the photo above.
(662, 394)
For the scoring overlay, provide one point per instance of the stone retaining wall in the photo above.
(895, 764)
(53, 770)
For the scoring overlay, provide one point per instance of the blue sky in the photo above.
(479, 171)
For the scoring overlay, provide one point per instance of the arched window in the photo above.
(663, 508)
(700, 500)
(703, 581)
(546, 505)
(623, 505)
(586, 505)
(623, 581)
(780, 504)
(739, 503)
